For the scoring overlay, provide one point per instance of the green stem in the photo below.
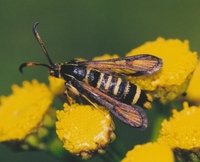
(162, 111)
(110, 155)
(156, 128)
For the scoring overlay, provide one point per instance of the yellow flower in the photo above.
(57, 85)
(178, 65)
(150, 152)
(84, 129)
(193, 91)
(183, 128)
(23, 111)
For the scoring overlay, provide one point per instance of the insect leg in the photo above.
(69, 90)
(75, 92)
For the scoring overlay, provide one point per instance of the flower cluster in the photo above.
(153, 152)
(21, 112)
(179, 136)
(28, 118)
(182, 129)
(84, 136)
(179, 64)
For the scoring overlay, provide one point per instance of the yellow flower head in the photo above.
(84, 129)
(178, 65)
(150, 152)
(193, 91)
(57, 85)
(23, 110)
(183, 128)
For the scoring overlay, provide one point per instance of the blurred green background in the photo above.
(86, 29)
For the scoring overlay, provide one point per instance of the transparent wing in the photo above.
(133, 65)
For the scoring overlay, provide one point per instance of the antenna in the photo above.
(37, 36)
(32, 64)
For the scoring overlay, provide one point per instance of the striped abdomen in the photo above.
(117, 88)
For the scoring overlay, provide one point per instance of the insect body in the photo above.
(105, 82)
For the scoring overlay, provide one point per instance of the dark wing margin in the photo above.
(133, 65)
(131, 115)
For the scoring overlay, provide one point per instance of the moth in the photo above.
(105, 81)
